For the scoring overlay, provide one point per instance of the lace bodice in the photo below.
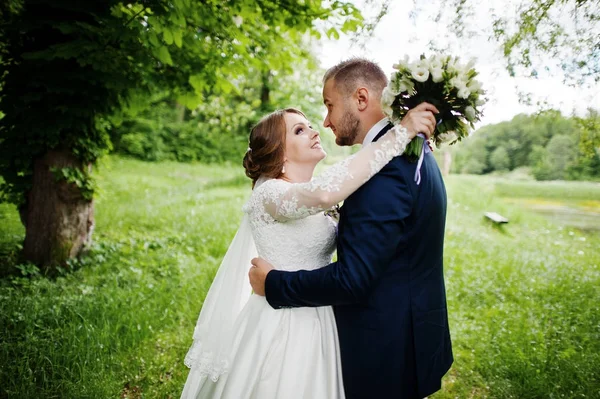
(298, 244)
(306, 239)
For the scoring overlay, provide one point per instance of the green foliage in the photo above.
(67, 67)
(474, 166)
(217, 130)
(523, 302)
(555, 159)
(555, 147)
(209, 140)
(538, 37)
(78, 177)
(589, 141)
(499, 159)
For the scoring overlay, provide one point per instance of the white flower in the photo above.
(480, 102)
(463, 92)
(393, 84)
(387, 110)
(463, 76)
(470, 114)
(424, 63)
(238, 20)
(405, 84)
(402, 64)
(387, 97)
(437, 74)
(435, 63)
(420, 74)
(474, 85)
(470, 65)
(453, 65)
(400, 83)
(458, 82)
(447, 137)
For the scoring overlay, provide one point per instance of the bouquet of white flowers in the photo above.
(442, 81)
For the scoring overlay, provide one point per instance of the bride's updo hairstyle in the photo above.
(266, 148)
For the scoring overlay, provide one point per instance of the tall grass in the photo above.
(121, 324)
(523, 298)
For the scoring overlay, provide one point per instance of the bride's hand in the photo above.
(420, 119)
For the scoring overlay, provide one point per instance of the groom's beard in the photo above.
(347, 129)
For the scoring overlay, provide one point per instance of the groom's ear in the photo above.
(362, 98)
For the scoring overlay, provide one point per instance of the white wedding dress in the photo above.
(289, 353)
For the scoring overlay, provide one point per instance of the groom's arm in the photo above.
(365, 249)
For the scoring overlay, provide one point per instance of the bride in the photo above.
(242, 347)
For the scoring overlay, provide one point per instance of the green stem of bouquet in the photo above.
(414, 149)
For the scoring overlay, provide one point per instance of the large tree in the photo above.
(68, 65)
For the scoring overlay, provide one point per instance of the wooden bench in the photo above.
(495, 218)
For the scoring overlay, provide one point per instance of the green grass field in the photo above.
(523, 299)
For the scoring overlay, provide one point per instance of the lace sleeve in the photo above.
(300, 200)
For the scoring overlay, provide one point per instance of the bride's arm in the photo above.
(300, 200)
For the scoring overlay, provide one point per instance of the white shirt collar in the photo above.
(375, 130)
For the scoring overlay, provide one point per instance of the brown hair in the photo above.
(266, 148)
(349, 74)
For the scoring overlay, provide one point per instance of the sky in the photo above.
(397, 34)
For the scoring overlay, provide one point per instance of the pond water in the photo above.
(583, 215)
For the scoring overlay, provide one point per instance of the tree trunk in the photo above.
(265, 90)
(180, 117)
(447, 163)
(58, 220)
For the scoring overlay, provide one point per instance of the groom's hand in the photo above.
(420, 119)
(258, 274)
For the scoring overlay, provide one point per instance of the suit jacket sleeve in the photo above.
(367, 246)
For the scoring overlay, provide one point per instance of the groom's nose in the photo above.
(326, 122)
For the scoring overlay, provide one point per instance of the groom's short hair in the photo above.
(350, 74)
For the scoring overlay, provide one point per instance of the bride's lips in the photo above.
(316, 145)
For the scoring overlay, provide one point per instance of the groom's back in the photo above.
(395, 342)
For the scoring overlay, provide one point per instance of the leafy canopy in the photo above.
(67, 66)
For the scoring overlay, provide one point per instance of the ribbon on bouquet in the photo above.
(426, 150)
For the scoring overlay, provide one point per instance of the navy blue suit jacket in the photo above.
(387, 286)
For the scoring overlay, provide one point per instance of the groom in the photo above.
(387, 286)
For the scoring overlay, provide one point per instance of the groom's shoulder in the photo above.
(398, 168)
(395, 173)
(385, 188)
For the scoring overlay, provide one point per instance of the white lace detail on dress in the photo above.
(207, 364)
(287, 201)
(302, 243)
(389, 149)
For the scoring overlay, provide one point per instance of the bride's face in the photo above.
(303, 144)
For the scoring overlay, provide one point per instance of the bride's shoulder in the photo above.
(266, 190)
(270, 186)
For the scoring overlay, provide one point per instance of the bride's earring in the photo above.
(283, 169)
